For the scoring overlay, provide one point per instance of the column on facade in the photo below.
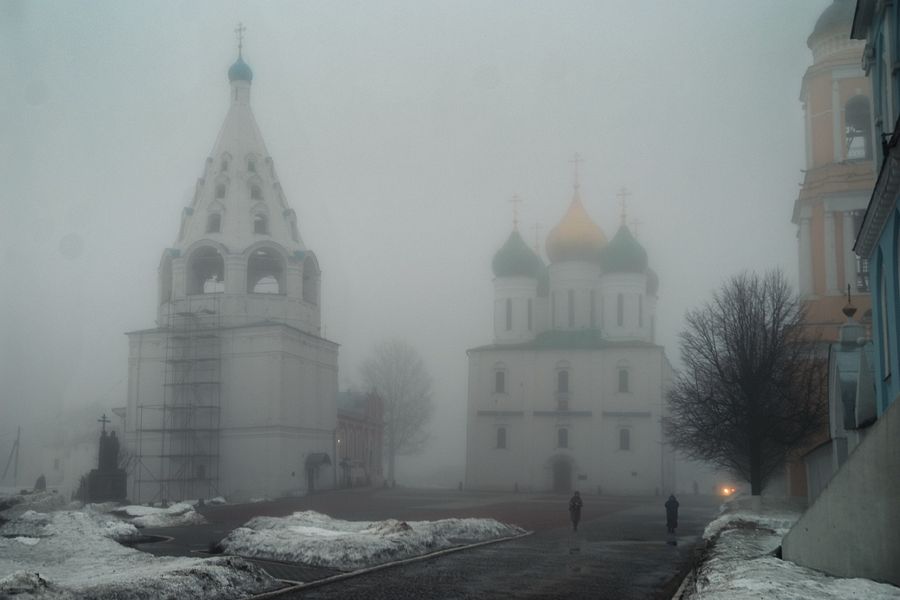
(235, 274)
(806, 268)
(836, 129)
(830, 255)
(849, 256)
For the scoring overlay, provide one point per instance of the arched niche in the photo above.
(205, 271)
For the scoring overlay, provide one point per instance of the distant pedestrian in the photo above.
(575, 505)
(671, 513)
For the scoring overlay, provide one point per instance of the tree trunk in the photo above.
(756, 482)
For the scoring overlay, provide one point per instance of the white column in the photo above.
(830, 255)
(809, 146)
(849, 256)
(805, 250)
(837, 131)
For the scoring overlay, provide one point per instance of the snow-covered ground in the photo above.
(74, 554)
(147, 516)
(741, 564)
(313, 538)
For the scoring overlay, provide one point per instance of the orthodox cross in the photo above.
(635, 223)
(623, 195)
(575, 161)
(239, 30)
(103, 420)
(515, 201)
(537, 237)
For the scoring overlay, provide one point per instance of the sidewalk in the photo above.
(740, 562)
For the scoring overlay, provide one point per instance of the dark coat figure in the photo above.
(671, 513)
(41, 484)
(575, 505)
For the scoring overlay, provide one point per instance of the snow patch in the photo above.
(148, 516)
(312, 538)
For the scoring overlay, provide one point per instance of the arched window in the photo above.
(214, 223)
(571, 308)
(508, 314)
(593, 309)
(624, 439)
(620, 310)
(530, 314)
(623, 380)
(858, 128)
(220, 191)
(223, 166)
(562, 382)
(562, 438)
(501, 437)
(255, 192)
(265, 272)
(260, 224)
(206, 271)
(499, 381)
(251, 165)
(640, 310)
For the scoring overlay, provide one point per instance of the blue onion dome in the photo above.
(652, 282)
(516, 259)
(623, 254)
(240, 71)
(836, 19)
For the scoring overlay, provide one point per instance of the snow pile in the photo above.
(148, 516)
(13, 505)
(741, 564)
(74, 554)
(315, 539)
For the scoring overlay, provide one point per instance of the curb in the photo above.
(296, 587)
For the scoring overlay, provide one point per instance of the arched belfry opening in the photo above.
(265, 272)
(858, 129)
(206, 271)
(312, 278)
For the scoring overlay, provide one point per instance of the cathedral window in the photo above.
(214, 223)
(260, 224)
(571, 308)
(500, 382)
(501, 438)
(620, 310)
(206, 271)
(255, 192)
(220, 191)
(251, 165)
(623, 380)
(562, 382)
(530, 314)
(562, 438)
(857, 129)
(640, 310)
(508, 314)
(224, 165)
(593, 309)
(624, 439)
(265, 272)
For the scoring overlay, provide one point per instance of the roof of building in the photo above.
(516, 259)
(240, 71)
(624, 254)
(576, 237)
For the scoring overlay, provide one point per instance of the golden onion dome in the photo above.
(576, 237)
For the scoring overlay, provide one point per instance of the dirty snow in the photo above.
(74, 554)
(312, 538)
(148, 516)
(741, 565)
(13, 505)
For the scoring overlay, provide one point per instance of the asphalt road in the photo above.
(621, 550)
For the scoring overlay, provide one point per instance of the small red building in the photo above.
(360, 433)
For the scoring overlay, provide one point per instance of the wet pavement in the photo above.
(621, 550)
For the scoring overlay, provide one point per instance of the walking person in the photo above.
(671, 513)
(575, 505)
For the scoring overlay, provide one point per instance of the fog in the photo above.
(400, 130)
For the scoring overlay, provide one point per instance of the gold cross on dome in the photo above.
(576, 160)
(623, 195)
(239, 31)
(515, 201)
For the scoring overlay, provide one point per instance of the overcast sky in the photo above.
(399, 130)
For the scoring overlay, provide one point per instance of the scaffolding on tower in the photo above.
(177, 438)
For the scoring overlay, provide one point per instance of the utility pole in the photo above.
(13, 452)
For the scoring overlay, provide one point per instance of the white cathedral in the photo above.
(233, 392)
(572, 391)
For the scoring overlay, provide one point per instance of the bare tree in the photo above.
(752, 386)
(395, 372)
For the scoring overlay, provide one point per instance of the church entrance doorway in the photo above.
(562, 475)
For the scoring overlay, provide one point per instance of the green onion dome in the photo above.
(623, 254)
(836, 19)
(240, 71)
(516, 259)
